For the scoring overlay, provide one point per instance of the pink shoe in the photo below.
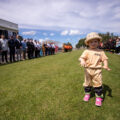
(98, 101)
(87, 97)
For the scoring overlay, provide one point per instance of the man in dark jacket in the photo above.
(18, 45)
(0, 46)
(33, 48)
(12, 44)
(29, 49)
(0, 52)
(46, 49)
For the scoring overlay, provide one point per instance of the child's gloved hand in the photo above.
(107, 68)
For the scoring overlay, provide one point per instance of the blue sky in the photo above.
(71, 36)
(62, 20)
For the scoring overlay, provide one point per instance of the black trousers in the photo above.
(37, 53)
(53, 51)
(12, 55)
(29, 54)
(98, 90)
(32, 53)
(117, 49)
(46, 51)
(4, 56)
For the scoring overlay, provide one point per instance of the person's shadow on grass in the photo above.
(106, 91)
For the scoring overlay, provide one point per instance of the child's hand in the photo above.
(107, 68)
(83, 64)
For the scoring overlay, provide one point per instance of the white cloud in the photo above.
(29, 33)
(101, 15)
(72, 32)
(46, 38)
(41, 40)
(45, 34)
(65, 32)
(52, 34)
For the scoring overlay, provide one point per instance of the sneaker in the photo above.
(98, 101)
(86, 97)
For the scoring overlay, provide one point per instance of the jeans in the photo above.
(18, 52)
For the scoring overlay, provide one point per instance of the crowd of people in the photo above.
(112, 45)
(12, 50)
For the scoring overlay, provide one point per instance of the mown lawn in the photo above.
(50, 88)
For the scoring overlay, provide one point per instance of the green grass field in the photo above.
(50, 88)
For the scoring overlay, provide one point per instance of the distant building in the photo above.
(8, 28)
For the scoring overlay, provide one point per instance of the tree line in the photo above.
(105, 38)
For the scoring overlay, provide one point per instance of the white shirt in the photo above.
(53, 45)
(48, 45)
(4, 44)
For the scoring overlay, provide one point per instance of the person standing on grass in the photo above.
(4, 50)
(92, 59)
(41, 52)
(38, 48)
(11, 44)
(24, 48)
(53, 48)
(43, 49)
(18, 48)
(117, 46)
(46, 49)
(56, 48)
(32, 48)
(29, 50)
(0, 51)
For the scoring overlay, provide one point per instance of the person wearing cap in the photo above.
(92, 59)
